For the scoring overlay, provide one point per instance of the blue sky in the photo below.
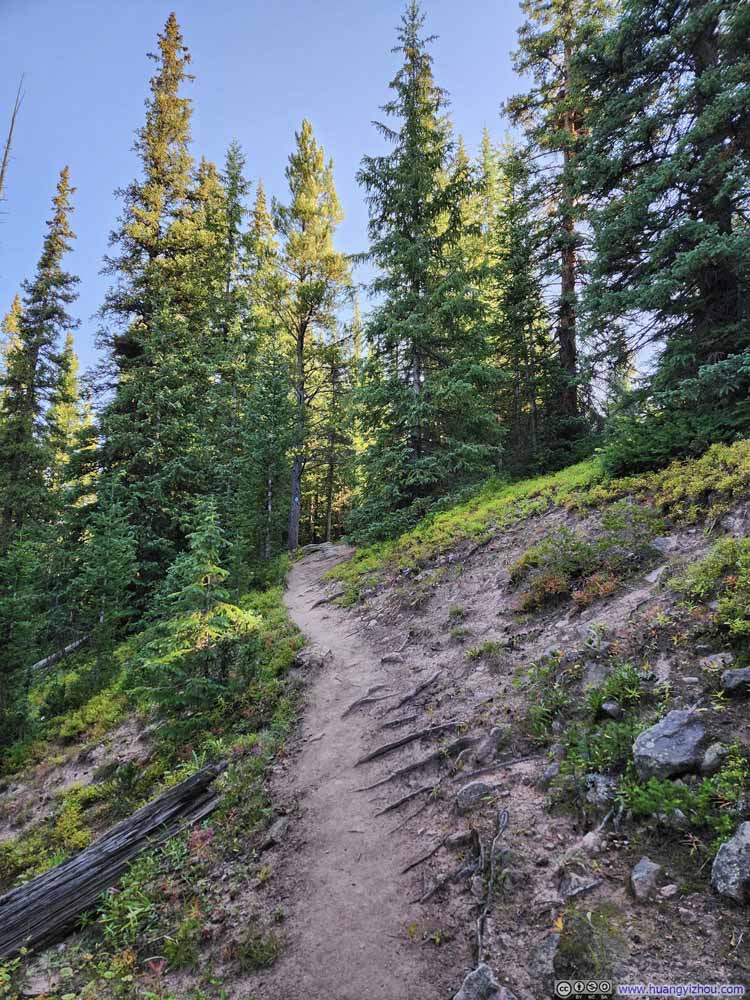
(260, 67)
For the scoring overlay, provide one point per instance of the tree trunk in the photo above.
(298, 460)
(9, 140)
(566, 328)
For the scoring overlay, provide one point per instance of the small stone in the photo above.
(730, 873)
(392, 658)
(736, 681)
(667, 891)
(548, 776)
(643, 878)
(460, 839)
(595, 674)
(672, 747)
(502, 579)
(654, 575)
(691, 680)
(717, 661)
(666, 543)
(480, 985)
(276, 832)
(542, 964)
(477, 887)
(713, 758)
(471, 795)
(591, 843)
(488, 749)
(612, 709)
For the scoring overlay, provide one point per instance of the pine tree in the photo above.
(195, 580)
(668, 169)
(553, 115)
(309, 281)
(162, 343)
(31, 375)
(67, 415)
(424, 402)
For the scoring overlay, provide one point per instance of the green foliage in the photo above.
(425, 397)
(601, 748)
(571, 563)
(623, 685)
(725, 574)
(489, 652)
(715, 804)
(591, 941)
(255, 949)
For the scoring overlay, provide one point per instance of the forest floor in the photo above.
(350, 924)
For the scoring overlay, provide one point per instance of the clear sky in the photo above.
(260, 66)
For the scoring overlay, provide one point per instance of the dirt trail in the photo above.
(346, 933)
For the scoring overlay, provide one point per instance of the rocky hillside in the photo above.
(584, 642)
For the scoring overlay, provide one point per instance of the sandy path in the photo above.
(346, 932)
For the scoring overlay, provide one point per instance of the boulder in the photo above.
(488, 749)
(730, 874)
(672, 747)
(717, 661)
(644, 877)
(736, 681)
(469, 797)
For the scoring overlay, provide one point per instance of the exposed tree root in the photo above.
(327, 600)
(367, 699)
(416, 692)
(501, 822)
(395, 723)
(407, 798)
(387, 748)
(464, 871)
(462, 743)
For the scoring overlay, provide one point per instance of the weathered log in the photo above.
(44, 909)
(48, 661)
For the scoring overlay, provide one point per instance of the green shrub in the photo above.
(724, 573)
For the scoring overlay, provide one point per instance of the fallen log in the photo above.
(49, 661)
(44, 909)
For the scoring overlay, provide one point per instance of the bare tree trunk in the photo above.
(298, 460)
(566, 329)
(9, 140)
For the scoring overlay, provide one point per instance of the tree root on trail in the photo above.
(407, 798)
(387, 748)
(462, 743)
(464, 871)
(367, 699)
(327, 600)
(416, 692)
(395, 723)
(501, 822)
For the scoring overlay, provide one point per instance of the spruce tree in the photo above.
(161, 342)
(553, 116)
(668, 169)
(31, 375)
(424, 402)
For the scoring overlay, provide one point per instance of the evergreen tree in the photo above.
(307, 284)
(67, 416)
(553, 115)
(668, 169)
(162, 345)
(31, 375)
(194, 581)
(424, 402)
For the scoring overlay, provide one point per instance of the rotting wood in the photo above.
(44, 909)
(387, 748)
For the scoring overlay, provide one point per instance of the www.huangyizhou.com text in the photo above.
(679, 990)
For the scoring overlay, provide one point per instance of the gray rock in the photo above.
(503, 578)
(717, 661)
(595, 674)
(675, 820)
(644, 877)
(471, 795)
(392, 658)
(548, 776)
(655, 574)
(480, 985)
(276, 832)
(714, 757)
(666, 543)
(672, 747)
(600, 789)
(461, 838)
(730, 874)
(612, 709)
(488, 749)
(736, 681)
(542, 964)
